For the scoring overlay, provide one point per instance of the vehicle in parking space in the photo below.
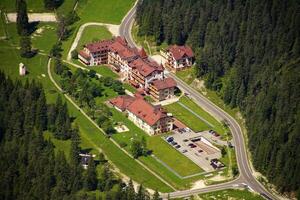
(177, 146)
(210, 131)
(200, 150)
(174, 143)
(184, 151)
(169, 139)
(185, 140)
(193, 146)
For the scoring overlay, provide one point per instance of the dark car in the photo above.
(174, 143)
(185, 140)
(170, 139)
(200, 151)
(177, 146)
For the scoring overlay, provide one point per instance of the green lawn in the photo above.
(104, 71)
(129, 87)
(217, 126)
(188, 75)
(231, 194)
(93, 33)
(104, 11)
(188, 118)
(35, 6)
(60, 145)
(42, 39)
(178, 162)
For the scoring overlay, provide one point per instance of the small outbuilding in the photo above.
(22, 69)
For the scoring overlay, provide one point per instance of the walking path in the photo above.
(33, 17)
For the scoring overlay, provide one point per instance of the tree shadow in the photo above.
(32, 26)
(86, 151)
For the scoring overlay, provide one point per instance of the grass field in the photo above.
(93, 33)
(42, 39)
(188, 75)
(190, 119)
(231, 194)
(111, 11)
(35, 6)
(217, 126)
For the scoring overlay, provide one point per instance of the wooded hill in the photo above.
(29, 166)
(249, 52)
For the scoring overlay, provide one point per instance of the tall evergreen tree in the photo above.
(91, 176)
(25, 47)
(22, 17)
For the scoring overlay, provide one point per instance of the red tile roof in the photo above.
(123, 50)
(99, 46)
(164, 84)
(122, 102)
(140, 108)
(180, 52)
(146, 112)
(84, 54)
(145, 67)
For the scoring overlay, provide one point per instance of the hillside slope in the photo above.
(249, 52)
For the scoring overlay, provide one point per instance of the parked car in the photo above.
(170, 139)
(177, 146)
(185, 140)
(200, 150)
(184, 151)
(174, 143)
(193, 146)
(210, 131)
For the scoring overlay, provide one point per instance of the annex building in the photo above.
(178, 57)
(152, 119)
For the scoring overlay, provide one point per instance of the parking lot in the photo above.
(196, 147)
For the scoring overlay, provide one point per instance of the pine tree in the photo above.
(91, 176)
(130, 190)
(22, 17)
(25, 47)
(41, 112)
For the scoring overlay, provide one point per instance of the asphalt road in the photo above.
(246, 176)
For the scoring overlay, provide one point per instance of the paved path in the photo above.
(246, 172)
(33, 17)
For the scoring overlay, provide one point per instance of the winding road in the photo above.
(246, 177)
